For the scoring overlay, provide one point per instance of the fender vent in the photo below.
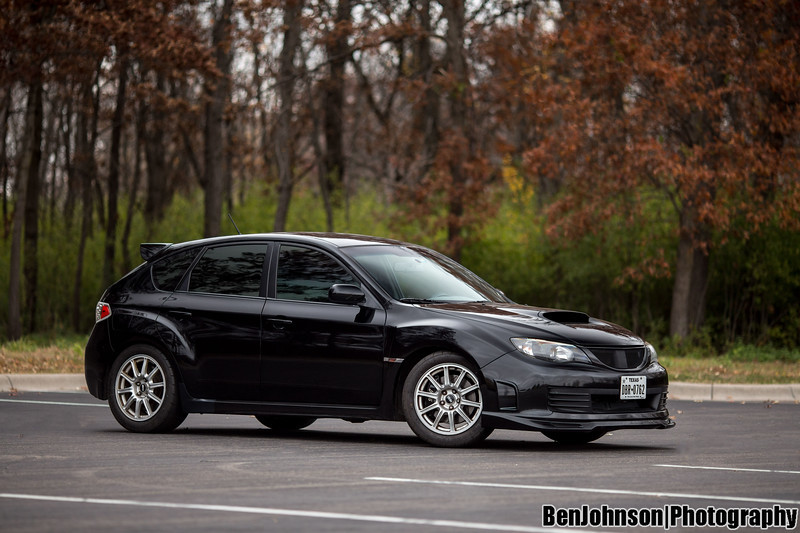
(567, 400)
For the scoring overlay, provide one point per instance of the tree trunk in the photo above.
(19, 218)
(32, 201)
(337, 51)
(458, 98)
(5, 107)
(50, 152)
(426, 117)
(217, 94)
(73, 184)
(127, 262)
(691, 280)
(283, 130)
(319, 153)
(156, 155)
(113, 174)
(85, 170)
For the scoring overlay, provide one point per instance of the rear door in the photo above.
(216, 317)
(315, 351)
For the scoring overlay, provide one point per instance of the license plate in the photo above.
(633, 388)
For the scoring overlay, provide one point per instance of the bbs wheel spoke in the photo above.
(436, 386)
(431, 407)
(470, 389)
(464, 415)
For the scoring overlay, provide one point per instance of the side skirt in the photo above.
(206, 406)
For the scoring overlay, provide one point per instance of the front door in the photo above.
(315, 351)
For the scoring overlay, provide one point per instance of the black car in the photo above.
(295, 327)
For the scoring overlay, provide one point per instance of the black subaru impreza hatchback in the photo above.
(295, 327)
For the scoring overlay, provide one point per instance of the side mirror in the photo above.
(346, 294)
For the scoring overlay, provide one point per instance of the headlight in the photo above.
(651, 352)
(550, 351)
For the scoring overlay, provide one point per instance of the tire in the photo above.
(285, 422)
(442, 401)
(143, 391)
(574, 437)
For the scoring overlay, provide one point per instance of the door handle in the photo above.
(180, 312)
(280, 323)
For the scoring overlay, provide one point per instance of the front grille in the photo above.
(620, 358)
(569, 400)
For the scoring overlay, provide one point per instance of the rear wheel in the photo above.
(442, 401)
(285, 422)
(574, 437)
(144, 391)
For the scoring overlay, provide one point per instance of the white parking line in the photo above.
(559, 488)
(54, 403)
(732, 469)
(294, 513)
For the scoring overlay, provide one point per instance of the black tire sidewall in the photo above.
(170, 414)
(472, 436)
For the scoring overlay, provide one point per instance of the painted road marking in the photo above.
(293, 513)
(761, 470)
(560, 488)
(54, 403)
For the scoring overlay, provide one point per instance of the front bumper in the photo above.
(552, 421)
(526, 394)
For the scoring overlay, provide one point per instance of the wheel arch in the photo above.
(128, 342)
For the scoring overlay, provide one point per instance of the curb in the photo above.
(697, 392)
(732, 392)
(42, 383)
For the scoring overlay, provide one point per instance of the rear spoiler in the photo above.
(150, 249)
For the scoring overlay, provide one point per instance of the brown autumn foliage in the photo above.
(692, 101)
(605, 107)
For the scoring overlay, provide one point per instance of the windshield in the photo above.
(418, 275)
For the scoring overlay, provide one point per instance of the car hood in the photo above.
(549, 324)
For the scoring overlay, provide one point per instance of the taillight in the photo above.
(102, 311)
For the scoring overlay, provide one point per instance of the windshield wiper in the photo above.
(420, 301)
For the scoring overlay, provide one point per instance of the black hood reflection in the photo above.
(521, 320)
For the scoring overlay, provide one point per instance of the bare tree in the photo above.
(217, 90)
(287, 77)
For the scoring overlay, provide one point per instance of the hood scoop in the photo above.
(566, 317)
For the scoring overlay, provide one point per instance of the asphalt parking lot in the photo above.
(65, 464)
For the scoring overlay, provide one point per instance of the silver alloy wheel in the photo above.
(447, 399)
(140, 387)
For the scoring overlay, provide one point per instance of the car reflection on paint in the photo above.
(295, 327)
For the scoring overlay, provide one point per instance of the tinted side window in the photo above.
(230, 270)
(306, 274)
(167, 272)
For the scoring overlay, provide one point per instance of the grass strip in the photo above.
(64, 355)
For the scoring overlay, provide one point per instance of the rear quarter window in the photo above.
(168, 271)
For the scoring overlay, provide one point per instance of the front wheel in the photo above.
(144, 391)
(442, 401)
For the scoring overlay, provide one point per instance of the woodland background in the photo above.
(637, 160)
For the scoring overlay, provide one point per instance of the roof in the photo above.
(152, 251)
